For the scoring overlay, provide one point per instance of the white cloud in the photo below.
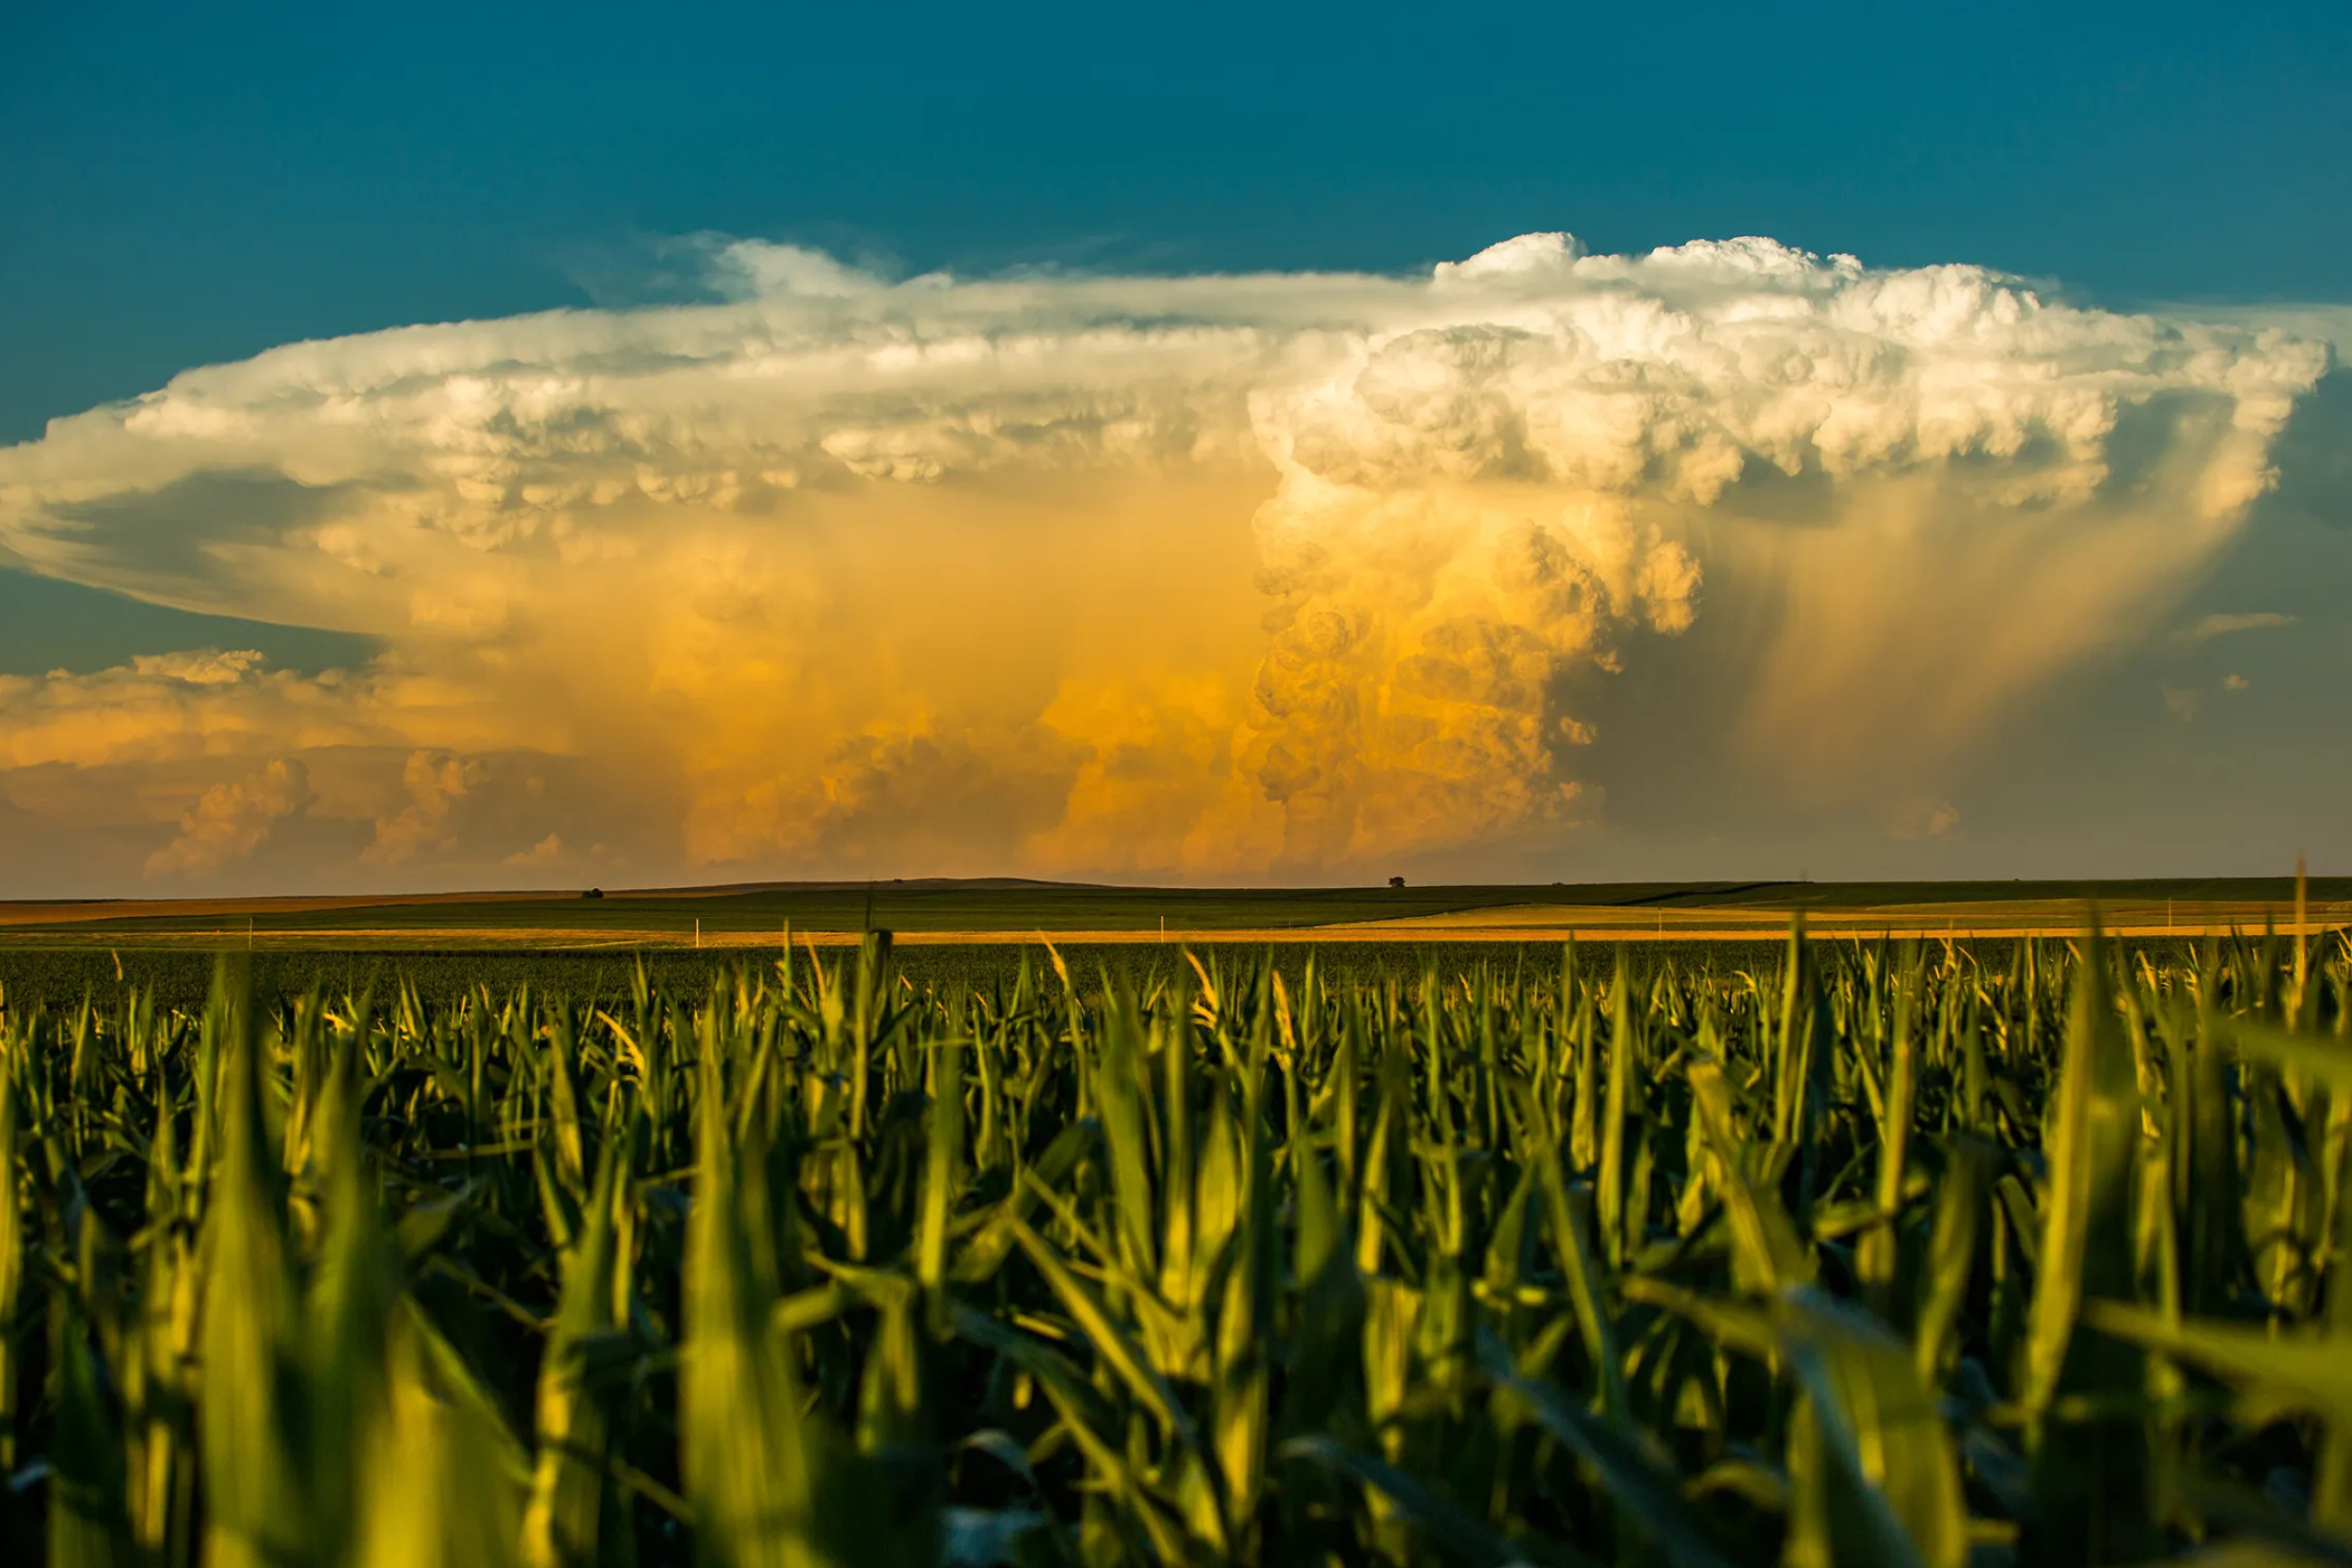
(846, 572)
(753, 269)
(2212, 627)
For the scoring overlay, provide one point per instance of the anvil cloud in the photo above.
(1193, 577)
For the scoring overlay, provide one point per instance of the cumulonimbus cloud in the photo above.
(1186, 575)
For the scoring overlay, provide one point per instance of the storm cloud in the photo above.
(1248, 575)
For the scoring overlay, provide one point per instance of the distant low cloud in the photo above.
(2212, 627)
(1283, 573)
(436, 785)
(548, 853)
(230, 821)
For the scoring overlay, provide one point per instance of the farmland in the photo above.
(1825, 1251)
(1010, 911)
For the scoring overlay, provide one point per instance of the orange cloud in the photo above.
(230, 820)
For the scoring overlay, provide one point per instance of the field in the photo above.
(2025, 1252)
(1006, 912)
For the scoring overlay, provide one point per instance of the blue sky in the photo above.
(2018, 549)
(185, 184)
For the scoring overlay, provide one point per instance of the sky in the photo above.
(532, 446)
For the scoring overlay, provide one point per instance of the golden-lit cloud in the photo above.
(1197, 576)
(229, 821)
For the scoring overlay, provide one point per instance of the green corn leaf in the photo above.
(1113, 1343)
(562, 1517)
(1766, 1255)
(1960, 1205)
(256, 1511)
(11, 1246)
(1647, 1491)
(943, 1159)
(2325, 1058)
(1459, 1534)
(1088, 1420)
(89, 1524)
(2308, 1370)
(1836, 1518)
(2086, 1229)
(443, 1485)
(1901, 1449)
(745, 1453)
(348, 1308)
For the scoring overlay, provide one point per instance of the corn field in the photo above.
(2025, 1254)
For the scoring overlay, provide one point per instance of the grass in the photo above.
(1818, 1254)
